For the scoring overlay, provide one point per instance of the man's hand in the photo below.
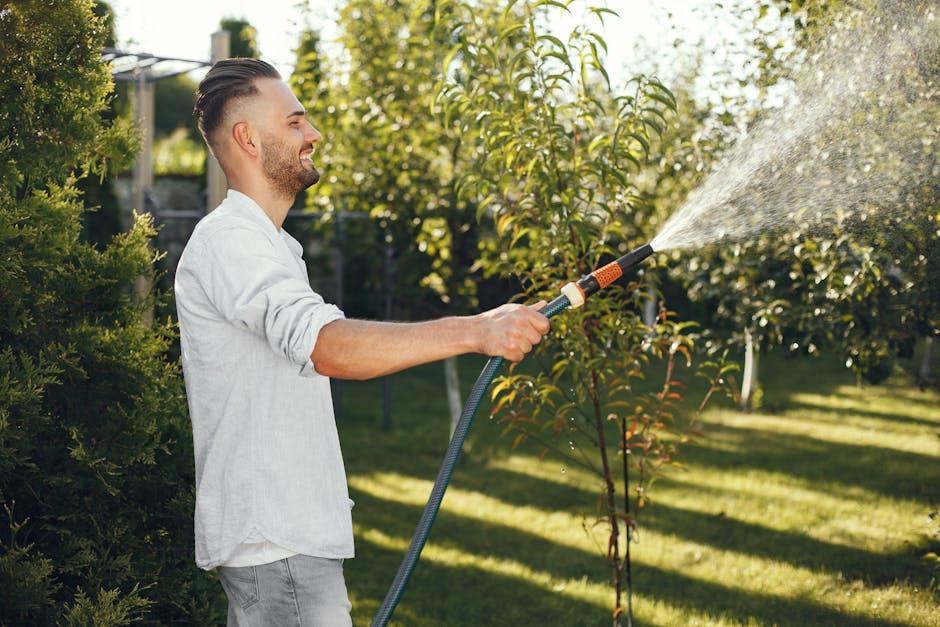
(510, 331)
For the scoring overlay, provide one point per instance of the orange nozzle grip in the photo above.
(608, 274)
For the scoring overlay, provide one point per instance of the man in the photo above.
(258, 346)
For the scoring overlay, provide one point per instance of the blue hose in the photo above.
(443, 476)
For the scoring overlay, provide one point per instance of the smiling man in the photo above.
(258, 345)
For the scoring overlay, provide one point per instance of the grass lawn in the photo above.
(813, 511)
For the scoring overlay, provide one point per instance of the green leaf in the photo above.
(657, 113)
(554, 40)
(598, 65)
(655, 83)
(554, 3)
(509, 31)
(563, 58)
(656, 126)
(600, 40)
(450, 57)
(663, 99)
(629, 157)
(600, 11)
(531, 165)
(506, 12)
(643, 141)
(601, 140)
(520, 233)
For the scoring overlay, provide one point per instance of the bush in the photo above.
(96, 470)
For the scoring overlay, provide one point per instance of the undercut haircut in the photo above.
(229, 79)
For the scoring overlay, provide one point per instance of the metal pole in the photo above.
(143, 170)
(387, 381)
(143, 120)
(215, 178)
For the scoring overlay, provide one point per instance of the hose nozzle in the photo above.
(604, 276)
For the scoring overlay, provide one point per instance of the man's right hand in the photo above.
(510, 331)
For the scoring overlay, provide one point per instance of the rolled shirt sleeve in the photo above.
(249, 282)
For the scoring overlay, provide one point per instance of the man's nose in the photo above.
(313, 135)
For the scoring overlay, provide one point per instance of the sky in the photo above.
(182, 28)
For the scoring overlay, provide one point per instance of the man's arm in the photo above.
(362, 349)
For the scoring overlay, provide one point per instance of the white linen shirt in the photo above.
(268, 463)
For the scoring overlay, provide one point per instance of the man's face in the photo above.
(287, 139)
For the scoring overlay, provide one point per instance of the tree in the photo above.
(95, 462)
(102, 219)
(244, 37)
(872, 291)
(307, 77)
(391, 159)
(822, 282)
(557, 155)
(173, 106)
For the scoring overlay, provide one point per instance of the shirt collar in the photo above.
(292, 243)
(245, 206)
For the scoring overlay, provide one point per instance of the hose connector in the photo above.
(574, 294)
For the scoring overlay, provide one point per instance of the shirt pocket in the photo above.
(240, 584)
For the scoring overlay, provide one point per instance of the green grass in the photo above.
(814, 511)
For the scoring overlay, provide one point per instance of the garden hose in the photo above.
(572, 295)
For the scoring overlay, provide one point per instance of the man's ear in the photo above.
(244, 138)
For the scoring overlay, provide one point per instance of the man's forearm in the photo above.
(363, 349)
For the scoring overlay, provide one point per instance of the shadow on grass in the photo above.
(718, 531)
(834, 415)
(461, 595)
(899, 474)
(465, 594)
(786, 546)
(469, 595)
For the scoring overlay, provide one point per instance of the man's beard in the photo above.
(282, 168)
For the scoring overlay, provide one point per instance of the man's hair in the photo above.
(227, 80)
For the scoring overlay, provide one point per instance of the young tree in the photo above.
(557, 156)
(95, 461)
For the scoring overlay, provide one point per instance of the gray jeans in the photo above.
(300, 590)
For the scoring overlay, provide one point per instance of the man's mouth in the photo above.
(307, 156)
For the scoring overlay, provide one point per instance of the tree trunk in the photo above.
(613, 542)
(926, 361)
(452, 383)
(650, 308)
(627, 563)
(750, 379)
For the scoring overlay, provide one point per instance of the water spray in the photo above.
(572, 295)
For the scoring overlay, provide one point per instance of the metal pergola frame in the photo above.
(127, 66)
